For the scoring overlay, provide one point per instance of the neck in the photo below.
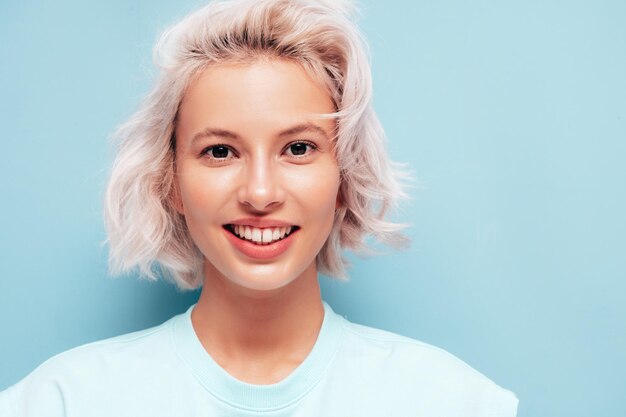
(258, 335)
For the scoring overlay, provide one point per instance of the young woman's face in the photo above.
(256, 174)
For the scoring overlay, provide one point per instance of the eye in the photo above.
(300, 149)
(218, 152)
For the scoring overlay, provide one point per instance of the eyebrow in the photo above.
(227, 134)
(208, 132)
(302, 128)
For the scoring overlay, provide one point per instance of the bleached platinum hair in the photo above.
(144, 230)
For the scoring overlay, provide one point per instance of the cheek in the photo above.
(195, 198)
(202, 193)
(203, 196)
(317, 190)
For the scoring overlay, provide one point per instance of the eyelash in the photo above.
(206, 151)
(311, 145)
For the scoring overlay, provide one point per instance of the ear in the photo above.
(175, 198)
(338, 201)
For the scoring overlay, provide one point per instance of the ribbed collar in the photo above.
(251, 396)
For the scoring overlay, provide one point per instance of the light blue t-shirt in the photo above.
(352, 370)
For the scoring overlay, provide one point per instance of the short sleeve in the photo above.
(501, 402)
(34, 396)
(8, 408)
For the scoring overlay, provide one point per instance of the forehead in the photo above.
(253, 97)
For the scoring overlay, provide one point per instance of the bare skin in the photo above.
(257, 318)
(259, 340)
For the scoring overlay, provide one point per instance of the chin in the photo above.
(265, 278)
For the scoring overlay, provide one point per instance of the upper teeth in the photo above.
(267, 235)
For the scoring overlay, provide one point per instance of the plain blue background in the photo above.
(511, 114)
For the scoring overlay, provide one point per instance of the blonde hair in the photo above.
(146, 232)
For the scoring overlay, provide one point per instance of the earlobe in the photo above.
(338, 203)
(176, 200)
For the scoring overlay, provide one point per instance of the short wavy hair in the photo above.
(144, 230)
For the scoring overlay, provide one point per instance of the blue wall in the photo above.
(511, 114)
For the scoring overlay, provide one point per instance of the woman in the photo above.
(254, 160)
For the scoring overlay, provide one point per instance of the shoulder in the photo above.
(110, 353)
(410, 366)
(88, 369)
(396, 347)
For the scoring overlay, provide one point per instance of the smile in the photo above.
(260, 236)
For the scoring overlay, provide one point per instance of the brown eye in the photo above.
(300, 149)
(218, 152)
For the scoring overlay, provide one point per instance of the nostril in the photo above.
(261, 194)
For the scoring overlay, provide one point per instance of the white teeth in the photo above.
(261, 236)
(256, 235)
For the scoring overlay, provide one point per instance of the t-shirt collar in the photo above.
(248, 396)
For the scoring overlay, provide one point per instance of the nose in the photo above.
(261, 188)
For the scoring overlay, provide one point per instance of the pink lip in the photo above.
(255, 251)
(261, 222)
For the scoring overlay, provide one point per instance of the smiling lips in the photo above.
(262, 243)
(260, 236)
